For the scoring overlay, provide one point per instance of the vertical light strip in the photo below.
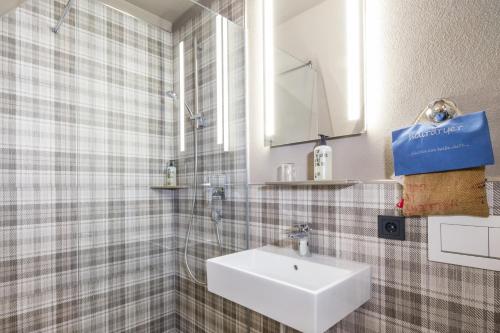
(268, 6)
(225, 80)
(182, 139)
(219, 101)
(353, 38)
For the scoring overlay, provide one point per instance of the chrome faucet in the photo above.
(301, 232)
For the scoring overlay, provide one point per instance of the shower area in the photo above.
(91, 113)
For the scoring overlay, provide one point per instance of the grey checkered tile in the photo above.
(409, 294)
(85, 245)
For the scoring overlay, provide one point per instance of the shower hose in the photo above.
(192, 217)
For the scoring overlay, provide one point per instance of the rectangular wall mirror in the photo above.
(313, 64)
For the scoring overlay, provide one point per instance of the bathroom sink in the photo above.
(309, 294)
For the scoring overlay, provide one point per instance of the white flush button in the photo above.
(495, 242)
(470, 240)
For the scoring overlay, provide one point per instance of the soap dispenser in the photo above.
(322, 160)
(171, 174)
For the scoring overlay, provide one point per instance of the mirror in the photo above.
(313, 65)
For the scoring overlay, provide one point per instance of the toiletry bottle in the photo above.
(322, 160)
(171, 174)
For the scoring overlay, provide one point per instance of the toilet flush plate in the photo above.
(309, 294)
(465, 241)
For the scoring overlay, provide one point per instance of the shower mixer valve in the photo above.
(199, 120)
(219, 192)
(218, 195)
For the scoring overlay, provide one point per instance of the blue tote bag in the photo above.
(459, 143)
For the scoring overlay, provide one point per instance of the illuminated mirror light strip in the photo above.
(269, 80)
(182, 142)
(225, 73)
(353, 28)
(219, 101)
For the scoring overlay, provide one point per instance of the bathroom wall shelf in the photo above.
(345, 182)
(168, 187)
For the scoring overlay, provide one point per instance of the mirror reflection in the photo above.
(317, 53)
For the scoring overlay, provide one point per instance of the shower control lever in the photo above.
(219, 192)
(199, 120)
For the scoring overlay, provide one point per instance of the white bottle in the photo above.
(323, 160)
(171, 174)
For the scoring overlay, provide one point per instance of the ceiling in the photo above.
(8, 5)
(169, 10)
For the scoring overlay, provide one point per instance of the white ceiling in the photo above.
(169, 10)
(8, 5)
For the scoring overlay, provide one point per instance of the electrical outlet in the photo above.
(391, 227)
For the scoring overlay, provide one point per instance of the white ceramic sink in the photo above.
(310, 294)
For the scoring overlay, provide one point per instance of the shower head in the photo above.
(171, 94)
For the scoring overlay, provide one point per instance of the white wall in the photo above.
(416, 51)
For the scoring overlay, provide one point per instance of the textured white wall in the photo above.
(416, 51)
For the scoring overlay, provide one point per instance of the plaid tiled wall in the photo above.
(85, 245)
(410, 294)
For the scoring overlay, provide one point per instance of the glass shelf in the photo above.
(346, 182)
(168, 187)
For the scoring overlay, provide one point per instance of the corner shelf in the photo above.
(345, 182)
(168, 187)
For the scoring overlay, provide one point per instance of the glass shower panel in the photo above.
(233, 162)
(126, 252)
(93, 163)
(88, 131)
(219, 223)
